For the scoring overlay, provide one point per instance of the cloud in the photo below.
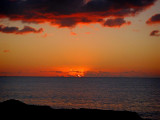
(6, 51)
(16, 30)
(69, 13)
(52, 71)
(155, 33)
(71, 73)
(86, 1)
(65, 22)
(73, 33)
(117, 22)
(154, 19)
(28, 29)
(115, 74)
(97, 74)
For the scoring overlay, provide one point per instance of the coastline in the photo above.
(16, 109)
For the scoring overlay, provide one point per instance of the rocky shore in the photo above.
(15, 109)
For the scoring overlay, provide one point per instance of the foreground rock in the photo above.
(15, 109)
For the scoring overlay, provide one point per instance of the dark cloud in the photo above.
(118, 6)
(65, 22)
(69, 13)
(154, 19)
(52, 71)
(16, 30)
(117, 22)
(115, 74)
(28, 29)
(155, 33)
(6, 29)
(97, 74)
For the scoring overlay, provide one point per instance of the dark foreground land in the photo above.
(15, 109)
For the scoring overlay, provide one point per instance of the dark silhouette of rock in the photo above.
(14, 109)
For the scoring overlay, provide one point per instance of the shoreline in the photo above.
(15, 108)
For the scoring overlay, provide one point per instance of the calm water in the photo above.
(141, 95)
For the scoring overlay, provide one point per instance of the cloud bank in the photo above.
(118, 22)
(16, 30)
(155, 33)
(69, 13)
(155, 19)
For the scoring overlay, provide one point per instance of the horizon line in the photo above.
(84, 77)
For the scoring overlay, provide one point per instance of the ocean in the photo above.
(141, 95)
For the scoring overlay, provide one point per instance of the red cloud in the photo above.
(69, 13)
(73, 33)
(154, 19)
(117, 22)
(6, 51)
(155, 33)
(15, 30)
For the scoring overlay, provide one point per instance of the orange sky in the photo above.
(87, 49)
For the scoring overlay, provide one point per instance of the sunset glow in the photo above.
(80, 38)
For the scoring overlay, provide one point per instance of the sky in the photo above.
(80, 38)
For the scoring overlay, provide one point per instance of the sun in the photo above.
(79, 76)
(77, 71)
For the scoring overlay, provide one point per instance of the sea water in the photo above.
(141, 95)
